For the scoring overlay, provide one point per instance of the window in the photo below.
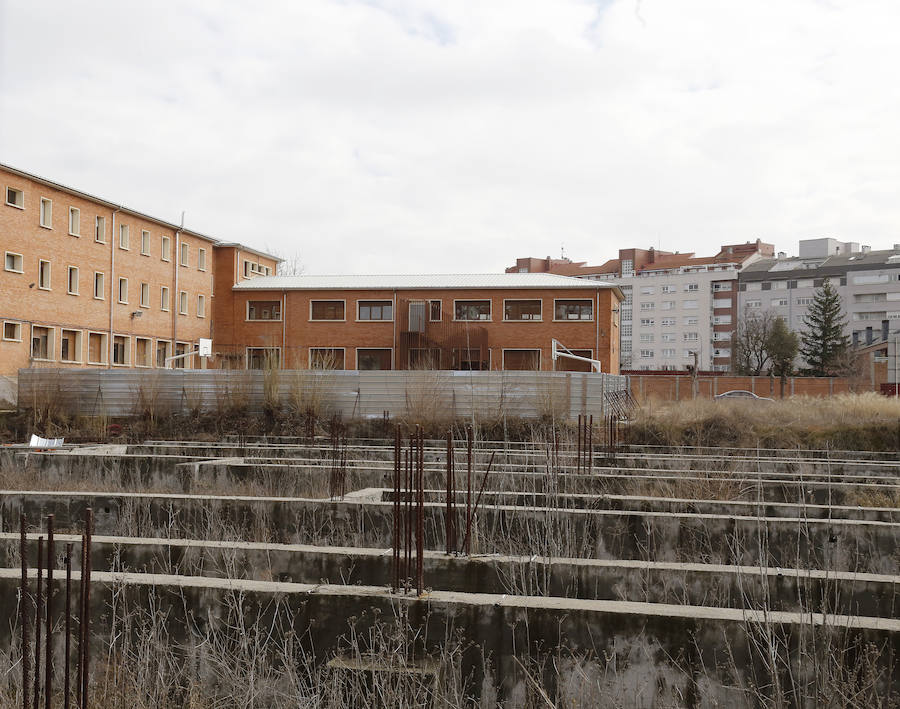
(162, 352)
(14, 262)
(718, 287)
(381, 310)
(627, 267)
(522, 360)
(424, 358)
(805, 282)
(667, 322)
(123, 236)
(434, 310)
(44, 275)
(182, 303)
(754, 303)
(779, 285)
(690, 287)
(688, 353)
(326, 358)
(145, 242)
(98, 285)
(70, 346)
(777, 302)
(669, 289)
(181, 350)
(719, 336)
(573, 310)
(521, 310)
(725, 352)
(468, 359)
(691, 336)
(691, 321)
(647, 337)
(73, 280)
(123, 290)
(372, 359)
(668, 337)
(15, 198)
(145, 295)
(668, 305)
(184, 254)
(689, 305)
(96, 348)
(646, 354)
(327, 310)
(263, 358)
(471, 310)
(74, 221)
(201, 306)
(143, 355)
(164, 298)
(647, 322)
(722, 320)
(721, 303)
(100, 229)
(264, 310)
(668, 353)
(201, 259)
(807, 301)
(121, 349)
(647, 306)
(41, 342)
(165, 248)
(648, 290)
(12, 331)
(46, 213)
(626, 330)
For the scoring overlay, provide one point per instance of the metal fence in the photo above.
(362, 394)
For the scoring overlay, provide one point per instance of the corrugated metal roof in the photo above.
(409, 282)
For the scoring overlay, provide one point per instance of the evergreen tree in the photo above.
(824, 345)
(782, 346)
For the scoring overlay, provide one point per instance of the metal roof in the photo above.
(422, 281)
(810, 267)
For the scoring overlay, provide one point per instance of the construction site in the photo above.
(568, 568)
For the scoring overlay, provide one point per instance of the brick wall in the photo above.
(677, 387)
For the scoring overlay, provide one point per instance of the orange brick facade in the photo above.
(678, 387)
(296, 333)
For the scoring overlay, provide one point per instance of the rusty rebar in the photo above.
(86, 618)
(38, 615)
(407, 568)
(66, 689)
(478, 498)
(451, 494)
(468, 487)
(395, 549)
(591, 445)
(23, 613)
(578, 447)
(420, 515)
(48, 657)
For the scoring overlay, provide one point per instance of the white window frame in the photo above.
(20, 258)
(124, 238)
(69, 271)
(102, 289)
(21, 197)
(48, 223)
(504, 350)
(489, 301)
(104, 347)
(357, 349)
(99, 229)
(589, 300)
(145, 242)
(51, 344)
(184, 257)
(342, 349)
(127, 362)
(79, 345)
(359, 304)
(201, 259)
(201, 305)
(74, 221)
(165, 248)
(151, 351)
(540, 317)
(167, 347)
(328, 300)
(436, 300)
(145, 289)
(182, 301)
(164, 299)
(49, 285)
(119, 298)
(18, 329)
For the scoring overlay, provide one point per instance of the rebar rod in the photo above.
(48, 610)
(468, 488)
(23, 613)
(420, 516)
(590, 445)
(38, 615)
(396, 507)
(578, 447)
(66, 688)
(86, 620)
(79, 666)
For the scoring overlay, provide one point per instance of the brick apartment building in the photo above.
(460, 322)
(89, 283)
(675, 305)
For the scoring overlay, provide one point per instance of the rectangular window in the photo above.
(668, 337)
(646, 354)
(123, 290)
(41, 342)
(719, 336)
(690, 287)
(754, 303)
(145, 295)
(573, 310)
(373, 359)
(434, 310)
(184, 254)
(181, 349)
(691, 321)
(73, 280)
(264, 310)
(691, 336)
(722, 320)
(667, 305)
(100, 229)
(522, 360)
(668, 353)
(326, 358)
(468, 359)
(718, 287)
(165, 248)
(96, 348)
(145, 242)
(15, 198)
(516, 310)
(805, 301)
(44, 275)
(648, 306)
(626, 330)
(647, 290)
(667, 322)
(647, 337)
(201, 259)
(70, 346)
(12, 331)
(381, 310)
(327, 310)
(669, 289)
(162, 352)
(14, 262)
(778, 302)
(98, 285)
(201, 306)
(424, 358)
(164, 298)
(123, 236)
(143, 354)
(182, 303)
(263, 358)
(246, 269)
(46, 213)
(74, 221)
(721, 303)
(121, 349)
(468, 310)
(689, 305)
(647, 322)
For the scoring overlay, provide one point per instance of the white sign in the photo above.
(205, 349)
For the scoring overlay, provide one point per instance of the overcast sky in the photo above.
(404, 136)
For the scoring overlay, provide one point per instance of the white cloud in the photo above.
(417, 135)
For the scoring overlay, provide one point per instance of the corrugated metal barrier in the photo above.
(363, 394)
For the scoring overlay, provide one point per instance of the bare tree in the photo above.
(751, 343)
(291, 263)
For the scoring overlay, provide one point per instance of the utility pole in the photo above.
(695, 389)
